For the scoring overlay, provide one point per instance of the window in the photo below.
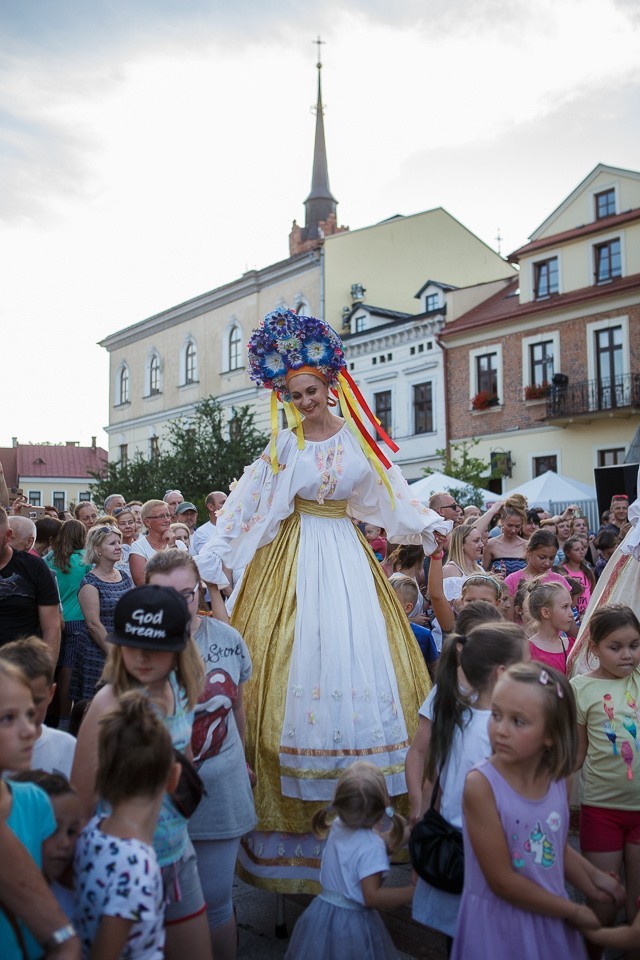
(541, 362)
(423, 407)
(487, 373)
(382, 402)
(58, 500)
(611, 457)
(361, 323)
(123, 385)
(123, 454)
(545, 278)
(190, 357)
(605, 203)
(154, 448)
(84, 496)
(35, 498)
(608, 261)
(609, 368)
(235, 349)
(543, 464)
(432, 301)
(154, 375)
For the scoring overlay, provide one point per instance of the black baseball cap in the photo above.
(151, 618)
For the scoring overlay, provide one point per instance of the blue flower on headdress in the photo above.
(316, 352)
(273, 366)
(282, 323)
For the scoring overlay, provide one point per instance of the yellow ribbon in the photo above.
(273, 453)
(345, 392)
(294, 421)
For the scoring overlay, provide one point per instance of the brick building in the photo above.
(546, 371)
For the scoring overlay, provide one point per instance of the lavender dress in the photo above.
(536, 832)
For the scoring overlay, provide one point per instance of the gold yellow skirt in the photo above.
(265, 614)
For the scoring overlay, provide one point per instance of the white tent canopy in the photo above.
(439, 482)
(551, 487)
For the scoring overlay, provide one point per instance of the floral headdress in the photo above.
(285, 342)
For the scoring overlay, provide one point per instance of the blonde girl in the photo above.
(118, 883)
(516, 821)
(217, 741)
(452, 737)
(608, 750)
(465, 552)
(150, 649)
(548, 606)
(354, 864)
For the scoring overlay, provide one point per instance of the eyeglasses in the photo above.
(450, 506)
(159, 516)
(188, 595)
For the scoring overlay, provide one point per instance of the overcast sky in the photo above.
(151, 150)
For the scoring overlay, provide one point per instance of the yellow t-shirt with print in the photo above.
(610, 710)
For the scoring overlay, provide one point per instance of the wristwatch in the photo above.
(60, 936)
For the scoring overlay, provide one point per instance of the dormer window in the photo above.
(432, 302)
(605, 203)
(545, 278)
(608, 261)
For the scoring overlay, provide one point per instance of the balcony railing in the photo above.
(593, 396)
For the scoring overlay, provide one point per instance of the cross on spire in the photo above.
(319, 43)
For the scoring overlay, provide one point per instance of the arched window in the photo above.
(154, 375)
(122, 384)
(235, 348)
(190, 363)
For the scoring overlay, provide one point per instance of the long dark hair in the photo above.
(483, 649)
(72, 537)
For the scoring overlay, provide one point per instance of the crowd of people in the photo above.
(320, 661)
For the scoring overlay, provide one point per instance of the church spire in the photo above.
(320, 206)
(320, 203)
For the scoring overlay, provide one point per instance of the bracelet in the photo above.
(437, 556)
(60, 936)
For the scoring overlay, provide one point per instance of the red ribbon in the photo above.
(365, 408)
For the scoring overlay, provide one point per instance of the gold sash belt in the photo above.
(329, 509)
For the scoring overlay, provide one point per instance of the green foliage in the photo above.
(196, 456)
(458, 462)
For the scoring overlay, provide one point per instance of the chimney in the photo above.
(14, 442)
(71, 443)
(93, 443)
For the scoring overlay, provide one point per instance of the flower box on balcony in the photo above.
(484, 400)
(536, 391)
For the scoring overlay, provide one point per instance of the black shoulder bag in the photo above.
(436, 849)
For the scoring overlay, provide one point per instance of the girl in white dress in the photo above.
(343, 922)
(337, 673)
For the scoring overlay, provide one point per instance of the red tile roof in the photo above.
(42, 460)
(505, 305)
(606, 223)
(10, 464)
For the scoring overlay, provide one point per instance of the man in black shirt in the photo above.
(29, 600)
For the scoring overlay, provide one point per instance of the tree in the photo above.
(197, 455)
(459, 463)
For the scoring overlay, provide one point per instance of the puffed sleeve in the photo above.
(631, 543)
(406, 520)
(253, 512)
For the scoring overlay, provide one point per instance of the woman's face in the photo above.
(309, 395)
(181, 533)
(564, 529)
(111, 548)
(473, 546)
(529, 529)
(511, 527)
(184, 580)
(158, 521)
(580, 526)
(126, 525)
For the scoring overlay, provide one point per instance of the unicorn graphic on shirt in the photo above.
(540, 847)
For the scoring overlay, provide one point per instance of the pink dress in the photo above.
(536, 831)
(512, 582)
(556, 660)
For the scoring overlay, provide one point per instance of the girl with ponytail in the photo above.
(354, 863)
(453, 737)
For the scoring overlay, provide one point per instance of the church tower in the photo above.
(320, 206)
